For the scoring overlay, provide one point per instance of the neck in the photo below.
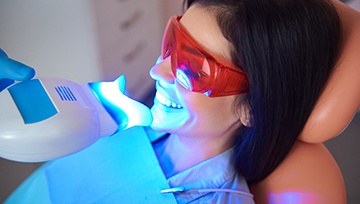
(178, 153)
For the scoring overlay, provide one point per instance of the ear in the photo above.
(245, 115)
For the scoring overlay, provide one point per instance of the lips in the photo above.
(166, 102)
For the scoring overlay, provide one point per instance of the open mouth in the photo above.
(164, 101)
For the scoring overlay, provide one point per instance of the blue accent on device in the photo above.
(65, 93)
(32, 101)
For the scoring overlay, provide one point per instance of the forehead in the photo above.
(203, 28)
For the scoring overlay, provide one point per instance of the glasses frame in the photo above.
(221, 80)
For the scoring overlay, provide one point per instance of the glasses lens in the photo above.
(189, 65)
(195, 69)
(192, 64)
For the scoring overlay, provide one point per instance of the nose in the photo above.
(161, 71)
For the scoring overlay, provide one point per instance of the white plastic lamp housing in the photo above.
(47, 118)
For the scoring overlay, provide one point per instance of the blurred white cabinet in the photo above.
(129, 37)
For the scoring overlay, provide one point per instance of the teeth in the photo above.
(166, 102)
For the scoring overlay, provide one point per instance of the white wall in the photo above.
(354, 3)
(57, 38)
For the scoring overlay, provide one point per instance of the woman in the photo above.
(271, 59)
(278, 45)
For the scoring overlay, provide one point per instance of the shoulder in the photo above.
(309, 174)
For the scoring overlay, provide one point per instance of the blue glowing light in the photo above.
(125, 111)
(295, 197)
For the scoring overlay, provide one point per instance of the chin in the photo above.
(165, 120)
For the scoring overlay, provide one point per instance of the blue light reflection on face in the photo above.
(158, 60)
(183, 79)
(125, 111)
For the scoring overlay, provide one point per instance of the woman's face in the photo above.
(181, 112)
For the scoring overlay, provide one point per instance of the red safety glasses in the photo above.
(195, 69)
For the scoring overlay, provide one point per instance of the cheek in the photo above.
(213, 111)
(204, 108)
(191, 101)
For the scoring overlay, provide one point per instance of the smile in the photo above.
(164, 101)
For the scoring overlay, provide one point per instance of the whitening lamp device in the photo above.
(47, 118)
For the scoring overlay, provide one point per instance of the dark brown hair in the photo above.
(288, 49)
